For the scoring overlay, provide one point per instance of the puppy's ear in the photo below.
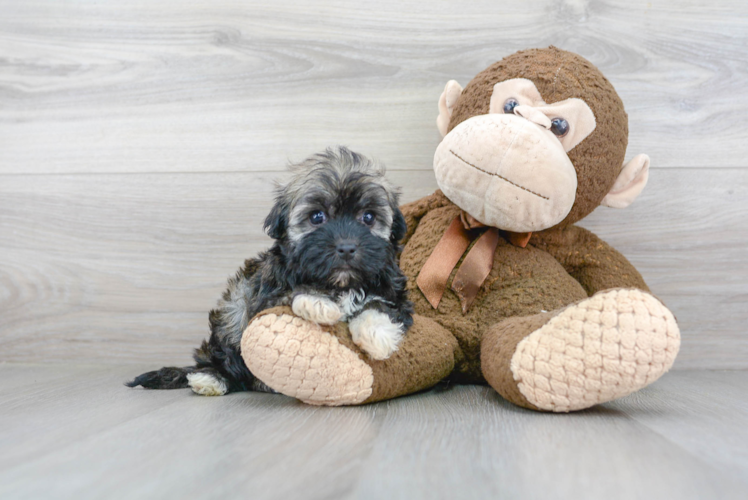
(276, 223)
(399, 227)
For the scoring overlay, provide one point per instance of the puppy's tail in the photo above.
(168, 377)
(172, 377)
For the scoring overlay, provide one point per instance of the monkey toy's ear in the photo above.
(629, 184)
(276, 222)
(447, 102)
(399, 227)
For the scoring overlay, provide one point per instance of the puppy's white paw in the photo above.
(373, 332)
(317, 309)
(206, 384)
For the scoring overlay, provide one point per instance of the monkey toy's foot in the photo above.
(321, 365)
(303, 360)
(597, 350)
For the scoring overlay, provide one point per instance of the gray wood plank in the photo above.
(261, 445)
(242, 85)
(59, 405)
(704, 412)
(90, 437)
(473, 444)
(124, 268)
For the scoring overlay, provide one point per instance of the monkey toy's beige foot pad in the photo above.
(597, 350)
(302, 360)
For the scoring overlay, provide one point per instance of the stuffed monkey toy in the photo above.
(506, 288)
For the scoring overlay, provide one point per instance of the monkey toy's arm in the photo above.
(588, 259)
(415, 210)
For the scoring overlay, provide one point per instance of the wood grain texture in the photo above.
(138, 142)
(679, 405)
(76, 432)
(235, 85)
(124, 268)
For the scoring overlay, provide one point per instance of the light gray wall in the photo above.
(139, 140)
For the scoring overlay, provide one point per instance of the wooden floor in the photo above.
(77, 432)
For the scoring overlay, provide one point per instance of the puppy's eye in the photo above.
(368, 218)
(509, 105)
(318, 217)
(560, 127)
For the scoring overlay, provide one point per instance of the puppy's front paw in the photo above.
(373, 332)
(317, 309)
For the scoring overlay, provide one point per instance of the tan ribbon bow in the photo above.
(476, 266)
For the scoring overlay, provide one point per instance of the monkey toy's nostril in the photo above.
(346, 250)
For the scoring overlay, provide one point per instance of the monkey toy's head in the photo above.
(536, 140)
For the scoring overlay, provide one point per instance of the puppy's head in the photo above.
(337, 221)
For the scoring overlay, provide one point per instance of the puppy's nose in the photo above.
(346, 250)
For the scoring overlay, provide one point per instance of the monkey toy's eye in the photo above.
(560, 127)
(318, 217)
(509, 105)
(368, 218)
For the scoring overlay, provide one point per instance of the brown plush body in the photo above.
(560, 324)
(557, 268)
(523, 281)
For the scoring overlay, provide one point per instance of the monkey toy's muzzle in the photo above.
(507, 172)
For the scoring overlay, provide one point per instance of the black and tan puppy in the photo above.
(336, 227)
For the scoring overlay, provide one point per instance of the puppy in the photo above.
(337, 228)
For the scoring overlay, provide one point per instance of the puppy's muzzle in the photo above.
(346, 250)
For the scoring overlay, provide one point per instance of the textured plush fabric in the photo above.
(560, 75)
(557, 268)
(321, 365)
(422, 360)
(497, 349)
(601, 349)
(305, 360)
(629, 184)
(594, 264)
(446, 102)
(506, 172)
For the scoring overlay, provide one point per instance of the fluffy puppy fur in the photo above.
(337, 228)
